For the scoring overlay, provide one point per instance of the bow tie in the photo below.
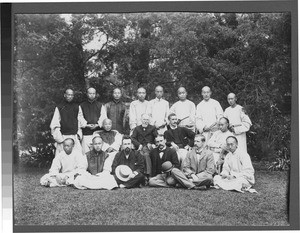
(198, 151)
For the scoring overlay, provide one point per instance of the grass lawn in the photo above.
(38, 205)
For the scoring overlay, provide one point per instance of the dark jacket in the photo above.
(95, 161)
(156, 161)
(141, 136)
(115, 111)
(69, 117)
(180, 136)
(135, 161)
(91, 113)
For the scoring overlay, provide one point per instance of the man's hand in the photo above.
(149, 146)
(140, 147)
(194, 177)
(132, 175)
(175, 146)
(187, 147)
(93, 126)
(206, 129)
(110, 149)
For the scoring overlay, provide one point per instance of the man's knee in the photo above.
(171, 181)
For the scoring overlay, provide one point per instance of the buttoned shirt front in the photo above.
(158, 110)
(184, 109)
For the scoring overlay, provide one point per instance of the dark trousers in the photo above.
(132, 183)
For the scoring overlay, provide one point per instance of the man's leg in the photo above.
(204, 179)
(135, 181)
(182, 179)
(148, 165)
(158, 181)
(181, 153)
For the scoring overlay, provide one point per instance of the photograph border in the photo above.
(7, 28)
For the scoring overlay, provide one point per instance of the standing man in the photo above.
(143, 139)
(66, 122)
(217, 143)
(209, 111)
(98, 169)
(137, 108)
(238, 172)
(240, 122)
(179, 138)
(158, 110)
(132, 159)
(185, 110)
(93, 113)
(115, 110)
(198, 166)
(65, 165)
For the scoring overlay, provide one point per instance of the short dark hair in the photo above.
(170, 115)
(125, 137)
(202, 137)
(160, 135)
(71, 139)
(233, 138)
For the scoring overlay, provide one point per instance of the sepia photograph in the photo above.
(167, 118)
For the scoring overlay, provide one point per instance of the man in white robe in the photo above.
(65, 165)
(217, 143)
(208, 113)
(240, 122)
(185, 110)
(137, 108)
(238, 172)
(158, 110)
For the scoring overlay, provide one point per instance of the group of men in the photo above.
(182, 146)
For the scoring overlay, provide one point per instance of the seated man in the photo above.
(98, 169)
(159, 156)
(238, 172)
(198, 165)
(112, 139)
(65, 165)
(179, 138)
(217, 143)
(134, 160)
(143, 139)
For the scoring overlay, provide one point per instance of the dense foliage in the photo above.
(248, 54)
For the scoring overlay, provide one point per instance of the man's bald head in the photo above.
(231, 98)
(159, 92)
(141, 94)
(206, 93)
(91, 93)
(182, 93)
(107, 124)
(69, 95)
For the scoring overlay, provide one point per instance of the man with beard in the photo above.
(94, 114)
(115, 110)
(159, 156)
(66, 122)
(143, 139)
(130, 175)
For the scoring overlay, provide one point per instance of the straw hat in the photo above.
(122, 172)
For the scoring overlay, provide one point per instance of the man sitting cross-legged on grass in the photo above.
(65, 165)
(198, 165)
(179, 138)
(98, 169)
(238, 172)
(132, 159)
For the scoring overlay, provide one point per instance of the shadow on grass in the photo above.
(38, 205)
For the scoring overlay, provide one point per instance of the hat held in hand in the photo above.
(166, 166)
(122, 172)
